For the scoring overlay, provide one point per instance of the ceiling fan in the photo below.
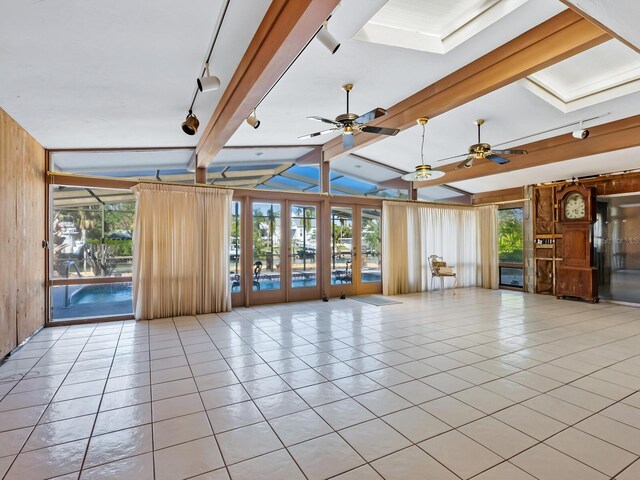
(352, 122)
(483, 150)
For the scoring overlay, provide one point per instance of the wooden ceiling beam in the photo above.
(603, 138)
(580, 10)
(558, 38)
(284, 31)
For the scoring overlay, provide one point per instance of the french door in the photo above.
(354, 259)
(284, 254)
(292, 250)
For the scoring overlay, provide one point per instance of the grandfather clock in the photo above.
(576, 276)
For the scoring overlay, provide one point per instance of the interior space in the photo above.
(320, 239)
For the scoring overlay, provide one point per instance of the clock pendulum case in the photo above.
(576, 277)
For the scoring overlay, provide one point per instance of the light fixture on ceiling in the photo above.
(190, 124)
(253, 120)
(422, 172)
(208, 82)
(328, 40)
(581, 133)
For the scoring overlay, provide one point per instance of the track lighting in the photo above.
(328, 40)
(581, 133)
(190, 124)
(253, 120)
(422, 172)
(208, 83)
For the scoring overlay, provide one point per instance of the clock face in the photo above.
(574, 207)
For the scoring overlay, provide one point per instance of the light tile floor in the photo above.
(489, 385)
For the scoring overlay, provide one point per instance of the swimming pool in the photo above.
(116, 292)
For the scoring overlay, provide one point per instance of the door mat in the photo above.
(374, 300)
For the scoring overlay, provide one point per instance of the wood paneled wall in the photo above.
(22, 229)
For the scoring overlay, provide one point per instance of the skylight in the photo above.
(435, 26)
(602, 73)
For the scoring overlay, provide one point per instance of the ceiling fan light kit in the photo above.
(480, 150)
(422, 172)
(351, 123)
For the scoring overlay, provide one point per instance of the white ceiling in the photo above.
(96, 73)
(382, 75)
(611, 162)
(121, 74)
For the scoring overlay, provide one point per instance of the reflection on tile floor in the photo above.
(488, 385)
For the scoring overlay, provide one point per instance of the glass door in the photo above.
(355, 260)
(370, 274)
(266, 270)
(341, 228)
(303, 281)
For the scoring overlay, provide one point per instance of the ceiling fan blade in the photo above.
(316, 134)
(372, 115)
(325, 120)
(466, 163)
(497, 159)
(379, 130)
(348, 141)
(509, 152)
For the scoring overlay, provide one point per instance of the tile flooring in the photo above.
(489, 385)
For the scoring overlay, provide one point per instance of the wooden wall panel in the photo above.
(22, 210)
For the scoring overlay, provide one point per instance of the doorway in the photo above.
(354, 260)
(616, 238)
(284, 257)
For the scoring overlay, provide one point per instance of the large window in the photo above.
(91, 251)
(511, 247)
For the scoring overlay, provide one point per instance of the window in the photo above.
(272, 168)
(362, 177)
(511, 247)
(91, 252)
(169, 165)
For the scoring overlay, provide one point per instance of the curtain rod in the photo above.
(506, 202)
(423, 202)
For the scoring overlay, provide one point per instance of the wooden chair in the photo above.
(439, 269)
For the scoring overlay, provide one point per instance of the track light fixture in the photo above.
(253, 120)
(208, 82)
(581, 133)
(422, 172)
(190, 124)
(328, 40)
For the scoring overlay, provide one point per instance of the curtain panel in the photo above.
(180, 254)
(465, 237)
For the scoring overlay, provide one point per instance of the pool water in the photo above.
(102, 294)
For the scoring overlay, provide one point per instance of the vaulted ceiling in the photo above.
(103, 74)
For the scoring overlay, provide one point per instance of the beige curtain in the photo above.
(181, 247)
(487, 221)
(412, 232)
